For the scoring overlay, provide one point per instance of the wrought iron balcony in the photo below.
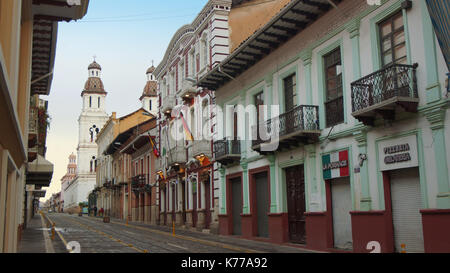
(138, 181)
(168, 102)
(227, 151)
(381, 92)
(291, 129)
(200, 147)
(177, 155)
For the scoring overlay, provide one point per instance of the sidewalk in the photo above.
(34, 239)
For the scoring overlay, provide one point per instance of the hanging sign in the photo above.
(335, 165)
(398, 153)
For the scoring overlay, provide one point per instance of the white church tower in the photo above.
(149, 96)
(92, 119)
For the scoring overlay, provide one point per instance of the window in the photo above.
(192, 59)
(289, 84)
(90, 102)
(259, 103)
(392, 40)
(98, 102)
(204, 45)
(334, 101)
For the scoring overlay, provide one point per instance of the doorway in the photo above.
(236, 205)
(262, 204)
(295, 185)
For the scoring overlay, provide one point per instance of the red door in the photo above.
(295, 183)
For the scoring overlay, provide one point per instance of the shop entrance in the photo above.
(342, 205)
(406, 204)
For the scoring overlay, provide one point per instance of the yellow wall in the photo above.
(248, 17)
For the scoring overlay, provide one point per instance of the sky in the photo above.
(125, 36)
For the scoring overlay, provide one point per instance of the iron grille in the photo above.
(301, 118)
(395, 80)
(226, 147)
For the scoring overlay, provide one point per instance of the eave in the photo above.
(291, 20)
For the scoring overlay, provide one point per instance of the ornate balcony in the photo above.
(200, 147)
(138, 182)
(177, 155)
(227, 151)
(168, 102)
(382, 91)
(187, 89)
(291, 129)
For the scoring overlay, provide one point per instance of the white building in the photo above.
(188, 192)
(93, 117)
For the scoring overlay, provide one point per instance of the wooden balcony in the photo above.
(227, 151)
(382, 92)
(297, 127)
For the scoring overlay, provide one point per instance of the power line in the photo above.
(100, 20)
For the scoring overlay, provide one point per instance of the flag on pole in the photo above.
(186, 128)
(155, 149)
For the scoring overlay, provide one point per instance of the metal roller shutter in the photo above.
(342, 205)
(406, 205)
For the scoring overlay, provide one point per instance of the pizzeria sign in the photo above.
(398, 153)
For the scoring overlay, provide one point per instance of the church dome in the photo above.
(151, 70)
(149, 89)
(94, 65)
(95, 85)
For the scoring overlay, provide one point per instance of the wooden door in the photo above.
(236, 205)
(262, 204)
(295, 184)
(207, 204)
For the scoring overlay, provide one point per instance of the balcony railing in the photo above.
(138, 181)
(187, 88)
(227, 151)
(177, 155)
(380, 91)
(200, 147)
(301, 123)
(168, 102)
(33, 121)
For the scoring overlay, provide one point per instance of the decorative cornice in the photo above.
(306, 56)
(353, 27)
(435, 113)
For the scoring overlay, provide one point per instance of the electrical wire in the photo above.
(131, 19)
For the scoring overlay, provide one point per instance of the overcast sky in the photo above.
(125, 35)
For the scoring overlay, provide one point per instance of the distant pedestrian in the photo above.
(95, 211)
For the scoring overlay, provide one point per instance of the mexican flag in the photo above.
(335, 165)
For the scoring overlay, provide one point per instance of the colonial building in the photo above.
(354, 150)
(188, 189)
(28, 32)
(111, 163)
(68, 177)
(92, 119)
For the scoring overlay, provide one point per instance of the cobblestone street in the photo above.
(94, 236)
